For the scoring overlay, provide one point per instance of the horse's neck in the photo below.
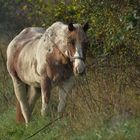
(50, 40)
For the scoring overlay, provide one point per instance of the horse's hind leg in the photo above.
(34, 94)
(21, 94)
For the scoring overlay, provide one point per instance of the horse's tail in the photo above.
(19, 115)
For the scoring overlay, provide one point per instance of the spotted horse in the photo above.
(39, 59)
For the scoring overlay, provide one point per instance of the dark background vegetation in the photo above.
(105, 104)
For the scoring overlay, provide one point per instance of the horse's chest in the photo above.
(60, 72)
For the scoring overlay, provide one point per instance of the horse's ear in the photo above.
(71, 27)
(86, 26)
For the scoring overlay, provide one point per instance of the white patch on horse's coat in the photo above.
(79, 65)
(44, 106)
(78, 52)
(67, 53)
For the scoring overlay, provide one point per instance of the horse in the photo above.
(39, 59)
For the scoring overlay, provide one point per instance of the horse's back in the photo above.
(29, 34)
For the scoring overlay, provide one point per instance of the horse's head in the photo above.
(62, 43)
(77, 46)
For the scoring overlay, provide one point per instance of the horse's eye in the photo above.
(86, 44)
(73, 42)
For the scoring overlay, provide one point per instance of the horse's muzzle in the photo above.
(79, 67)
(83, 73)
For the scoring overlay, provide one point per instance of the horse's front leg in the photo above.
(65, 89)
(45, 94)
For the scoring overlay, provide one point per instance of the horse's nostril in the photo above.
(82, 73)
(79, 72)
(79, 67)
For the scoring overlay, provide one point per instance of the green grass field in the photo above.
(117, 129)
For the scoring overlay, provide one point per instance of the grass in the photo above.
(125, 130)
(9, 130)
(117, 129)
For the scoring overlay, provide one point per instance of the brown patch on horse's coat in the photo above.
(59, 66)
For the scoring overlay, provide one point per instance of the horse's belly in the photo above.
(27, 72)
(29, 78)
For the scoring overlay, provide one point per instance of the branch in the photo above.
(47, 125)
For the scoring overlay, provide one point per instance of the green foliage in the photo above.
(112, 24)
